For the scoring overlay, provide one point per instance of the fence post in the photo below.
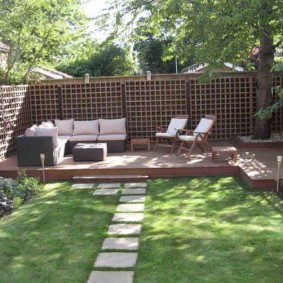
(188, 96)
(124, 102)
(60, 101)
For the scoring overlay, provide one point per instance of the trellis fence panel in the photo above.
(15, 116)
(145, 103)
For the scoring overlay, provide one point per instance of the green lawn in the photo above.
(210, 230)
(55, 237)
(195, 230)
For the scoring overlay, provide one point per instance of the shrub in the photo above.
(17, 201)
(8, 187)
(14, 192)
(27, 186)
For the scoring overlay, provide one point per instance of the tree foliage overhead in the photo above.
(219, 31)
(37, 32)
(102, 60)
(151, 54)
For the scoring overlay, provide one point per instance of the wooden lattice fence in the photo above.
(145, 104)
(15, 116)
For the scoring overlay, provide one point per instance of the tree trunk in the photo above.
(264, 94)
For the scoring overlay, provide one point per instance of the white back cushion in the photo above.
(86, 127)
(112, 126)
(175, 125)
(65, 127)
(203, 126)
(43, 132)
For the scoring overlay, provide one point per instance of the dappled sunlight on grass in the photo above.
(210, 230)
(55, 237)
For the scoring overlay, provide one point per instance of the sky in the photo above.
(92, 9)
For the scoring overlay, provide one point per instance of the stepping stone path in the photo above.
(107, 189)
(138, 198)
(109, 186)
(127, 217)
(119, 250)
(132, 207)
(105, 192)
(82, 186)
(130, 244)
(141, 191)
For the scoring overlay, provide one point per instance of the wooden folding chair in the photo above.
(177, 123)
(198, 136)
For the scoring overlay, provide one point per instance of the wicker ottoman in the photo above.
(90, 152)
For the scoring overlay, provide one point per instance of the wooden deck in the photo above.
(257, 167)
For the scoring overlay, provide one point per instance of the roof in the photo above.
(50, 74)
(200, 68)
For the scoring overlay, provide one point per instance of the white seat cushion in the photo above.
(112, 126)
(86, 127)
(203, 126)
(165, 135)
(64, 137)
(53, 132)
(175, 125)
(83, 138)
(189, 138)
(116, 137)
(65, 127)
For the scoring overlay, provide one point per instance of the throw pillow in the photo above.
(30, 132)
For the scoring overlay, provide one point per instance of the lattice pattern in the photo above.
(44, 102)
(151, 104)
(145, 104)
(92, 101)
(230, 98)
(15, 116)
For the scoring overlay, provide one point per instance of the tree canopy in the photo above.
(219, 31)
(101, 60)
(37, 32)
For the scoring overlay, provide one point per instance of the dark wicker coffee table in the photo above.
(90, 152)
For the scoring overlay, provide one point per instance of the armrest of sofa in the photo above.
(30, 148)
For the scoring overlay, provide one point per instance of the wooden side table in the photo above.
(224, 149)
(142, 141)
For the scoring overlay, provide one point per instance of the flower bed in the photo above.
(276, 140)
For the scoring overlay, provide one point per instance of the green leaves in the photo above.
(36, 32)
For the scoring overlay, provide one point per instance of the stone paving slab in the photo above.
(141, 191)
(131, 244)
(124, 229)
(135, 185)
(105, 192)
(111, 277)
(136, 198)
(130, 207)
(116, 259)
(109, 185)
(128, 217)
(82, 186)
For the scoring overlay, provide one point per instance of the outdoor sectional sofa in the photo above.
(59, 140)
